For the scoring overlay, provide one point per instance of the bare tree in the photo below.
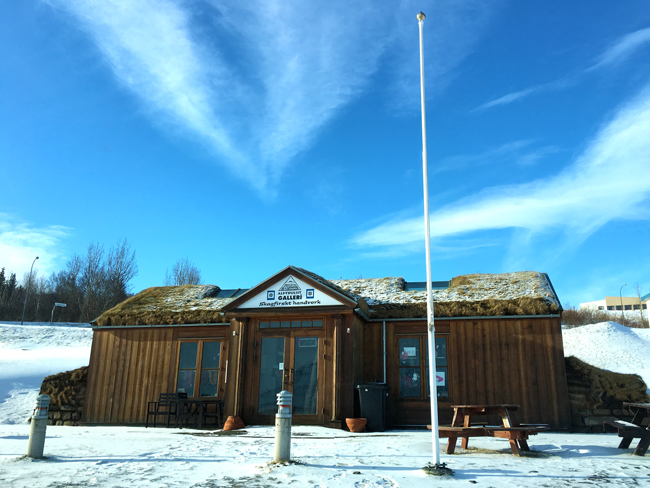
(120, 269)
(183, 273)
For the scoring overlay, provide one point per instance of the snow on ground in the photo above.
(128, 456)
(123, 456)
(611, 346)
(29, 353)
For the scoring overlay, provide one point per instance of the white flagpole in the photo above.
(427, 237)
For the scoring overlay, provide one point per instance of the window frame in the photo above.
(198, 369)
(422, 367)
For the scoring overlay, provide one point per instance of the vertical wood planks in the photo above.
(131, 371)
(480, 384)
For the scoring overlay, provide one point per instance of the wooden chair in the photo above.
(166, 406)
(217, 415)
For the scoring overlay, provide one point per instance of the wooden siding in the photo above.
(132, 366)
(490, 361)
(504, 360)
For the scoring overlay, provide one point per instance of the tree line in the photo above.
(90, 284)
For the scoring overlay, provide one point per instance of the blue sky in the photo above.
(247, 138)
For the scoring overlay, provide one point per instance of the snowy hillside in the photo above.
(31, 352)
(611, 346)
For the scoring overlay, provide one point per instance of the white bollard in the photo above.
(37, 430)
(283, 428)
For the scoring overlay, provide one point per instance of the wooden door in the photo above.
(289, 360)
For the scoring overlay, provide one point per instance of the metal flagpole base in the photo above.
(437, 469)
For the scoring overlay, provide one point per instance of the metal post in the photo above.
(283, 428)
(38, 427)
(620, 295)
(29, 282)
(435, 468)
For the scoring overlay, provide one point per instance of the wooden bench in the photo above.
(517, 436)
(510, 428)
(629, 431)
(166, 406)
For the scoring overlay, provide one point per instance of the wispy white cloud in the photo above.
(520, 95)
(516, 152)
(623, 48)
(256, 81)
(510, 97)
(616, 53)
(21, 242)
(608, 181)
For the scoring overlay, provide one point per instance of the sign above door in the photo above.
(289, 292)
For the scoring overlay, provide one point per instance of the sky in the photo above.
(251, 137)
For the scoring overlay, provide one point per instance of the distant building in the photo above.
(618, 304)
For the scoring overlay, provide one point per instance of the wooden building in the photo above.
(497, 337)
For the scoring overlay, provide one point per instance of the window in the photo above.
(618, 307)
(412, 365)
(637, 307)
(645, 306)
(628, 307)
(199, 368)
(291, 324)
(610, 307)
(600, 307)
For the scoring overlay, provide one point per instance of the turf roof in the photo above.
(476, 295)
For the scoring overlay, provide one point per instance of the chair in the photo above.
(166, 406)
(217, 415)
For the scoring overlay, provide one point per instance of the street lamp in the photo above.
(29, 282)
(620, 295)
(57, 304)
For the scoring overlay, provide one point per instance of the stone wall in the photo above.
(67, 392)
(596, 395)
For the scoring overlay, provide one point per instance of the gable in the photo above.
(290, 291)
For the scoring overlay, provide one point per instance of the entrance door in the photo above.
(410, 375)
(288, 360)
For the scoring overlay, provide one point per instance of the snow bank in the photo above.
(611, 346)
(29, 353)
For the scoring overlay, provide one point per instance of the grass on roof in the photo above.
(165, 305)
(483, 308)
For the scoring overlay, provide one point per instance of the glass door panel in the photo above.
(187, 368)
(210, 369)
(271, 374)
(305, 380)
(409, 368)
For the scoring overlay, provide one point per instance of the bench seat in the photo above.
(629, 431)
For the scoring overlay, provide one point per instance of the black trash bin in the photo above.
(373, 400)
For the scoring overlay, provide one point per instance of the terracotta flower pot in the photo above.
(356, 425)
(233, 423)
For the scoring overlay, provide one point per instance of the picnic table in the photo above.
(632, 430)
(462, 426)
(198, 410)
